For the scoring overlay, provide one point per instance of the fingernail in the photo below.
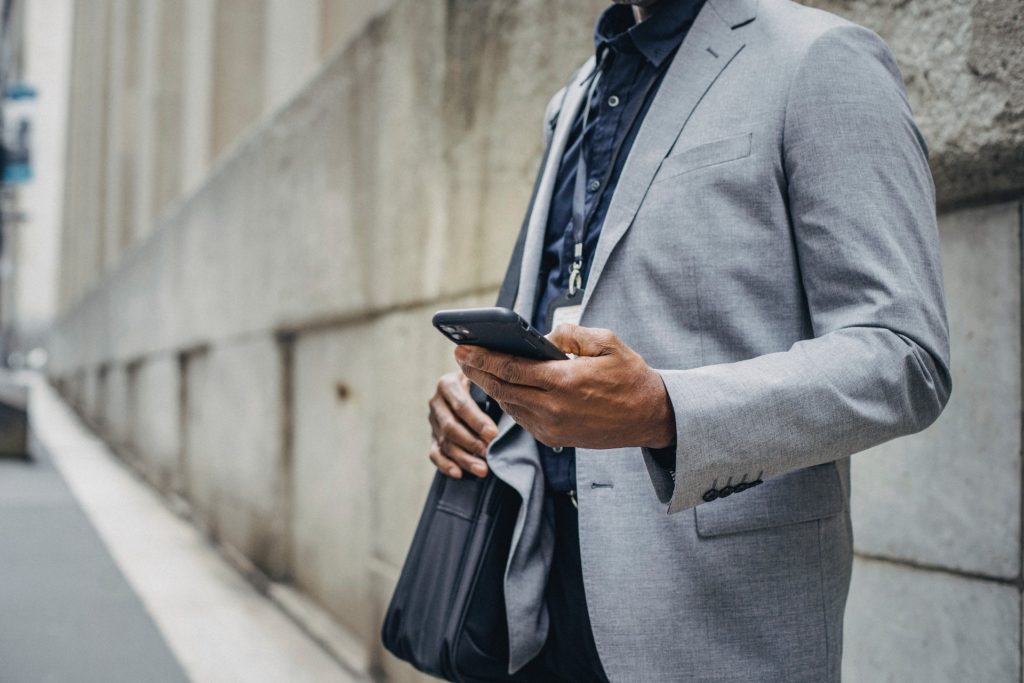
(479, 469)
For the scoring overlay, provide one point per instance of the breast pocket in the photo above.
(800, 496)
(707, 154)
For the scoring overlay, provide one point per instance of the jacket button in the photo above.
(710, 495)
(725, 491)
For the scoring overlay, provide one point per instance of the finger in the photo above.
(524, 417)
(456, 393)
(449, 428)
(584, 341)
(464, 459)
(489, 383)
(511, 369)
(502, 391)
(435, 428)
(442, 463)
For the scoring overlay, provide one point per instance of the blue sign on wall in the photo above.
(19, 100)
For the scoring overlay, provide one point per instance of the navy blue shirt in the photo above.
(632, 55)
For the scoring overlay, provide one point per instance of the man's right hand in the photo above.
(461, 430)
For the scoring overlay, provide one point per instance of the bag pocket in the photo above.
(800, 496)
(480, 647)
(707, 154)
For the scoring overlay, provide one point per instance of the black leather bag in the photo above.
(447, 615)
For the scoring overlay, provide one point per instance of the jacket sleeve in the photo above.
(862, 208)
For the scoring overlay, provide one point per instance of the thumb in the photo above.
(583, 341)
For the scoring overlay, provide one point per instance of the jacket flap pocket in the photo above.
(800, 496)
(714, 152)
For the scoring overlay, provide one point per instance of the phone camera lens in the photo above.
(464, 331)
(448, 328)
(456, 335)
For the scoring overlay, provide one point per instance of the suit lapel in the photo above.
(533, 247)
(707, 50)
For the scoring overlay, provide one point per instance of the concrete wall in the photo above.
(263, 348)
(162, 89)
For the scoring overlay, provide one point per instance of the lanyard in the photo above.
(580, 215)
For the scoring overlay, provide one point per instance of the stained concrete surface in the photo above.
(68, 613)
(916, 626)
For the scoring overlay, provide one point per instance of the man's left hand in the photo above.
(605, 397)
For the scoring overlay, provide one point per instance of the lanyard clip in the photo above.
(575, 278)
(576, 270)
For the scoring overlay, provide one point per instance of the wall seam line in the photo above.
(286, 329)
(960, 573)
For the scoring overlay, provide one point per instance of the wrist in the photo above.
(661, 422)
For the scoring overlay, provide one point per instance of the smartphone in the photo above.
(497, 329)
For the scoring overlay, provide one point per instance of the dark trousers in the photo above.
(569, 654)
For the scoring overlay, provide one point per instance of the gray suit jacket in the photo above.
(772, 248)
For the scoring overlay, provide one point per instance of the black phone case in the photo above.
(497, 329)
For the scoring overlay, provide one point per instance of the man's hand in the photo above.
(460, 429)
(606, 397)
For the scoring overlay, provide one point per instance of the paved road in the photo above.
(67, 613)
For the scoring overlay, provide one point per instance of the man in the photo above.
(735, 194)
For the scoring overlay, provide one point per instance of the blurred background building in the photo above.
(34, 68)
(242, 213)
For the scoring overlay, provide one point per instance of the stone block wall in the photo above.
(262, 348)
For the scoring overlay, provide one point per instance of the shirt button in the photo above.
(557, 449)
(594, 185)
(613, 101)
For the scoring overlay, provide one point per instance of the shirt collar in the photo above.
(655, 38)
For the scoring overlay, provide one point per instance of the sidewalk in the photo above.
(99, 581)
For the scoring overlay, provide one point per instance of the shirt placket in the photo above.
(612, 91)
